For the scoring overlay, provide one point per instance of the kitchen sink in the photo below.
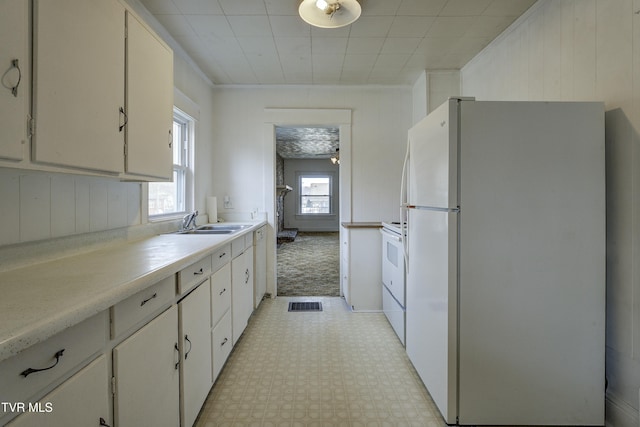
(216, 229)
(198, 231)
(223, 227)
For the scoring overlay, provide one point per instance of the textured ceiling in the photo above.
(307, 142)
(266, 42)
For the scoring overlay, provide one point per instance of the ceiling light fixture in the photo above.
(329, 13)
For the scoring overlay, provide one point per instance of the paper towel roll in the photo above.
(212, 209)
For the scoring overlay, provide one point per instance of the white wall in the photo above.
(321, 222)
(588, 50)
(381, 117)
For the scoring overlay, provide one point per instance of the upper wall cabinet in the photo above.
(79, 84)
(103, 91)
(14, 68)
(149, 103)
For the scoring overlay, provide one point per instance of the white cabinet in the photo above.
(14, 70)
(38, 368)
(78, 84)
(146, 370)
(221, 339)
(241, 290)
(149, 103)
(361, 272)
(92, 86)
(259, 265)
(81, 400)
(195, 349)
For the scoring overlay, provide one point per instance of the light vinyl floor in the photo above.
(329, 368)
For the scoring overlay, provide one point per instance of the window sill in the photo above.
(316, 216)
(168, 217)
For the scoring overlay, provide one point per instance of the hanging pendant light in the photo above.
(329, 13)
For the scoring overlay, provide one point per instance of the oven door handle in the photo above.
(390, 235)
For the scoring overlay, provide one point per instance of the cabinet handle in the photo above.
(186, 338)
(30, 371)
(148, 299)
(223, 254)
(246, 273)
(224, 341)
(178, 350)
(170, 138)
(103, 422)
(14, 64)
(126, 119)
(198, 273)
(223, 291)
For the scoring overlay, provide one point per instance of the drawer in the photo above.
(221, 343)
(237, 247)
(220, 293)
(248, 240)
(194, 274)
(220, 257)
(57, 357)
(142, 305)
(260, 233)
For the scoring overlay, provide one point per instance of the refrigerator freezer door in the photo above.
(433, 159)
(431, 312)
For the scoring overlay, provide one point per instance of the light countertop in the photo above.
(361, 224)
(43, 299)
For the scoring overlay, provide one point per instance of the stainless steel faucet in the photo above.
(189, 221)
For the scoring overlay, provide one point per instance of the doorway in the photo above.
(315, 118)
(308, 210)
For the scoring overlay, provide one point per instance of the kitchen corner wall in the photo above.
(574, 50)
(381, 117)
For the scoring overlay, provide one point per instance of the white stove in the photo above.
(393, 277)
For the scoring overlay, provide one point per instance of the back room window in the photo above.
(315, 194)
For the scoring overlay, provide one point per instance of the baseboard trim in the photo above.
(620, 413)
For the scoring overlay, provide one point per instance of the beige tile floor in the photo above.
(333, 368)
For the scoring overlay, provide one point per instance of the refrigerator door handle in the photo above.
(404, 217)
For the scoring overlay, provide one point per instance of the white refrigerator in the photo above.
(505, 258)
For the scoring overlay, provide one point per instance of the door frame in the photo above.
(340, 118)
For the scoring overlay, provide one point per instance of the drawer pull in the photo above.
(222, 255)
(224, 342)
(148, 299)
(186, 338)
(178, 350)
(103, 422)
(223, 291)
(30, 371)
(198, 273)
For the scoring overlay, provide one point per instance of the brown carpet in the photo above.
(310, 265)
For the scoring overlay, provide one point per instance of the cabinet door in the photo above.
(195, 334)
(14, 69)
(249, 284)
(81, 400)
(242, 292)
(149, 103)
(260, 266)
(146, 372)
(79, 83)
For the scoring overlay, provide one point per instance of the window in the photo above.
(172, 198)
(315, 194)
